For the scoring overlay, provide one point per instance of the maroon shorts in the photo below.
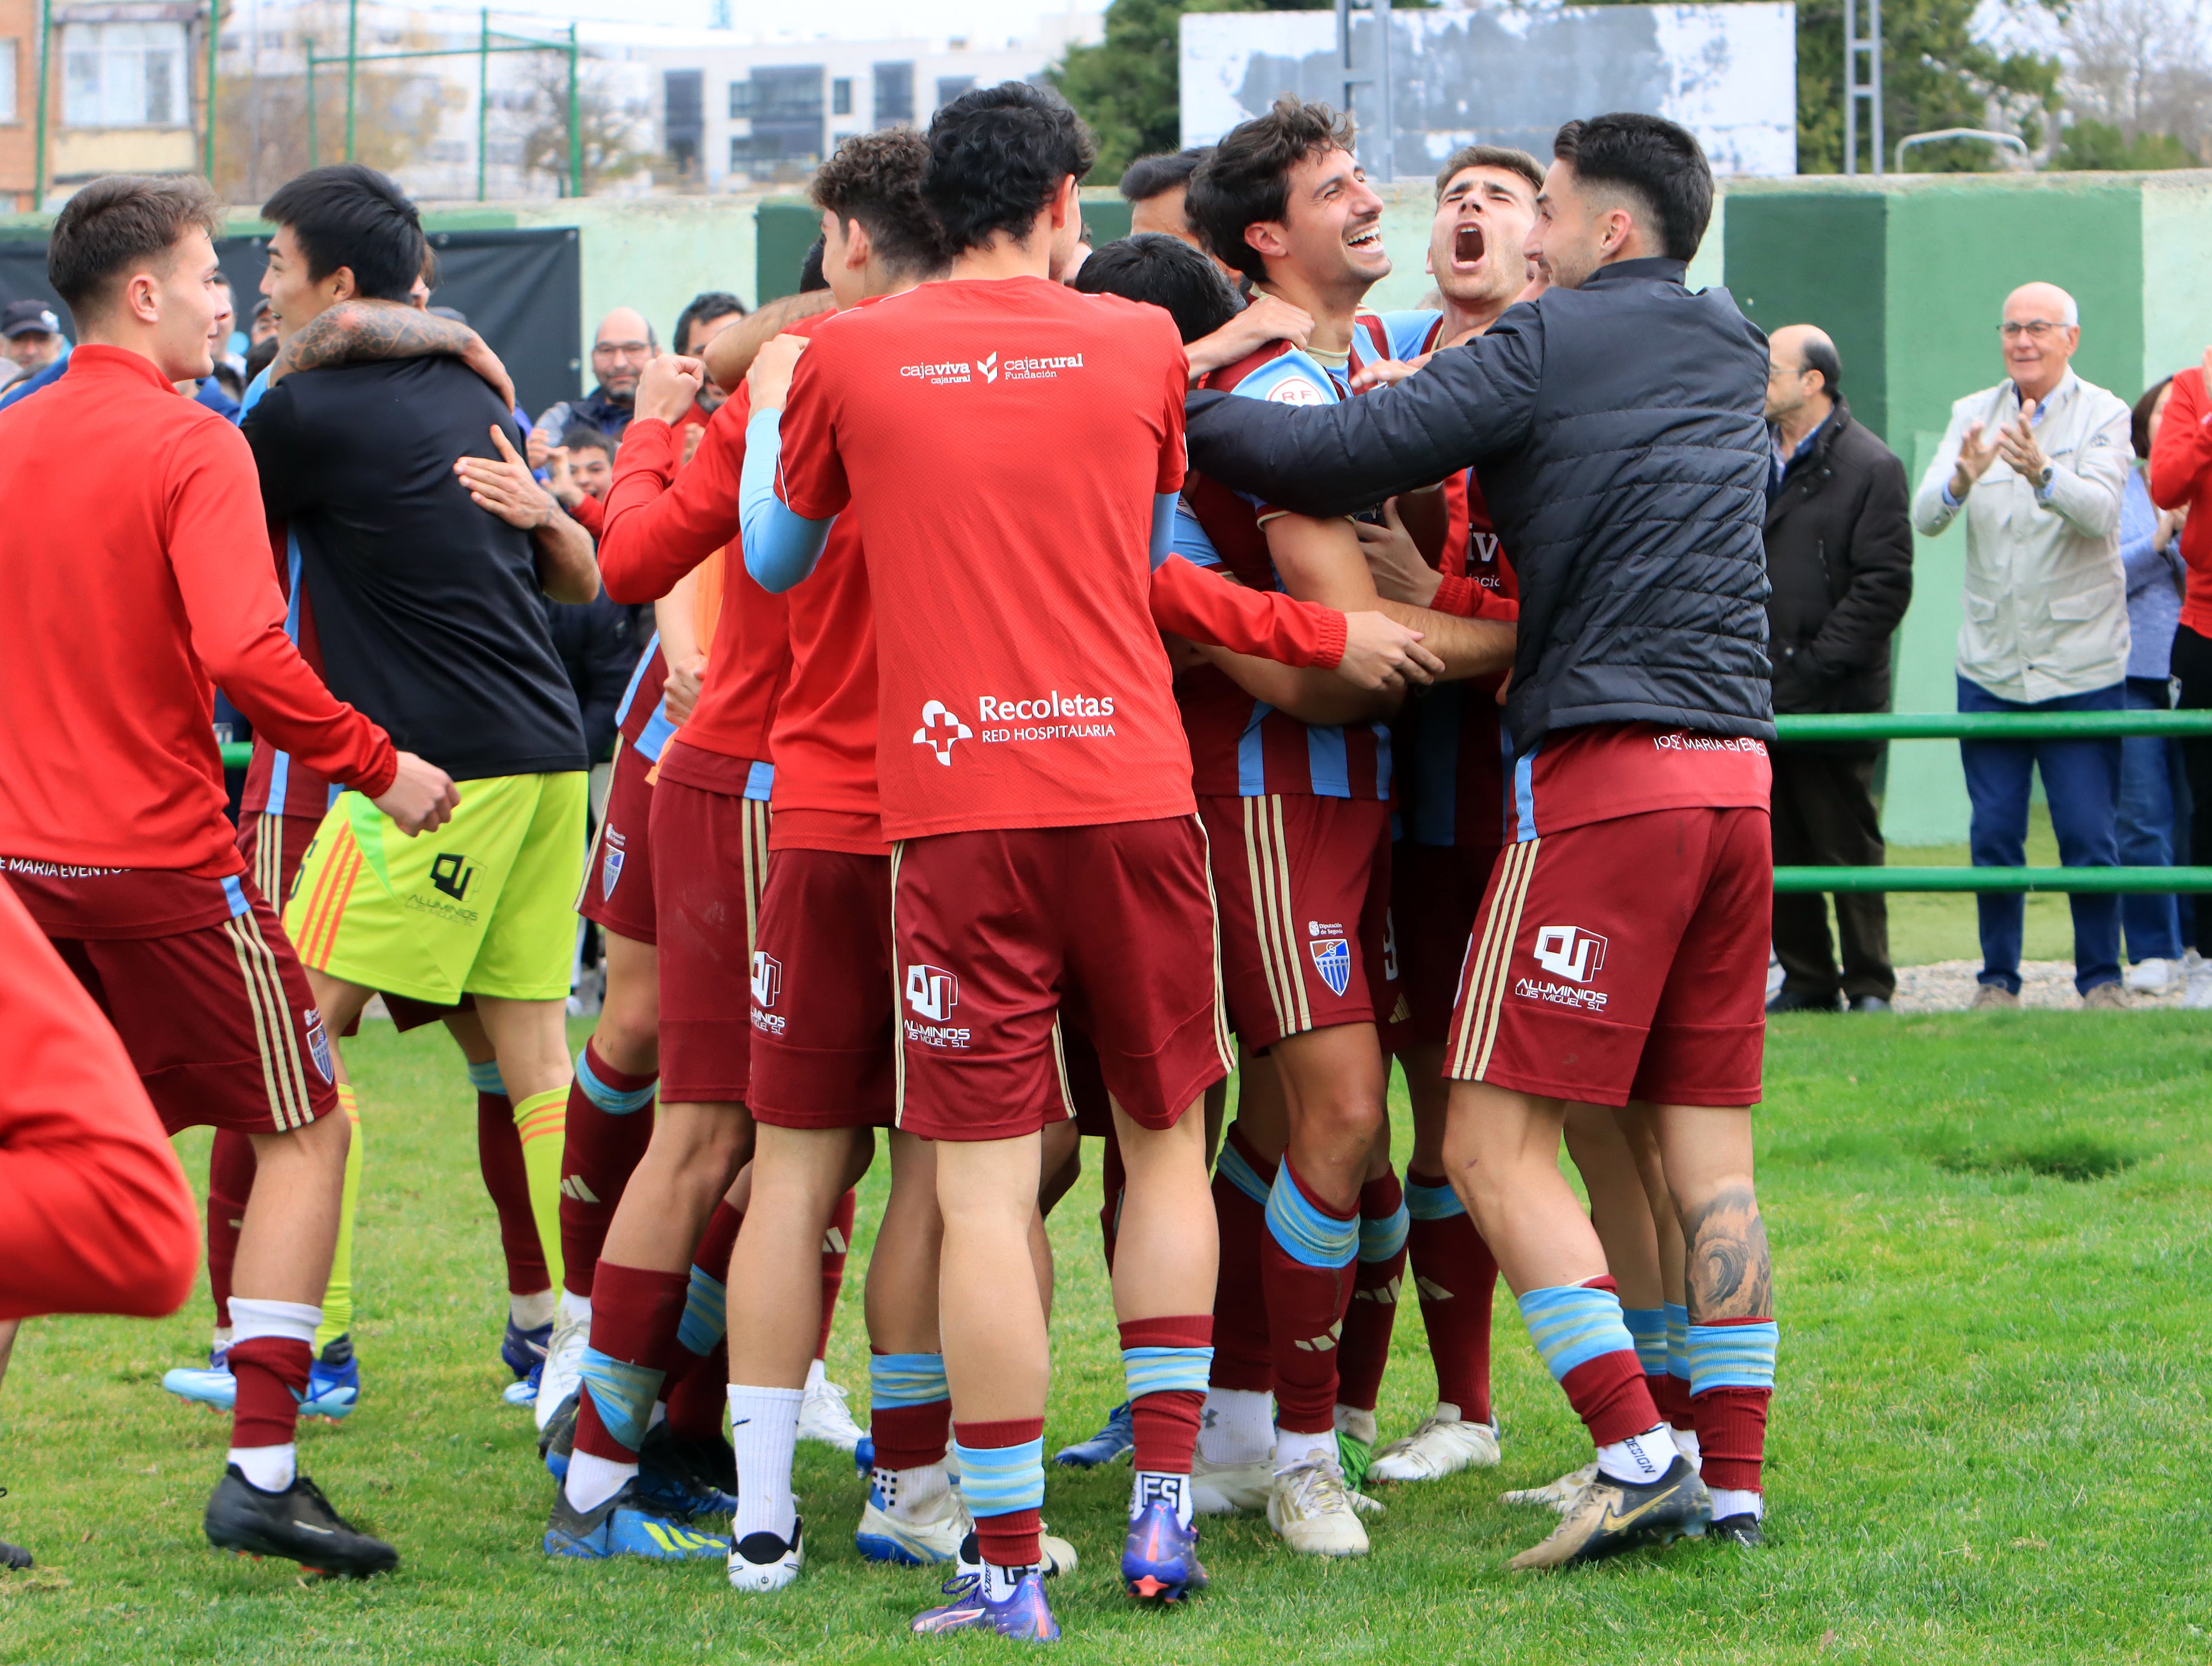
(618, 891)
(218, 1021)
(274, 845)
(998, 933)
(1304, 890)
(1436, 891)
(706, 901)
(822, 993)
(1623, 960)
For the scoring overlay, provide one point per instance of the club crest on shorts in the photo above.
(1332, 958)
(611, 863)
(319, 1043)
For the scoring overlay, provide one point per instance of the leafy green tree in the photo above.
(2095, 144)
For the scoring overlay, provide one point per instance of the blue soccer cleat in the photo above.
(1025, 1615)
(1160, 1558)
(333, 1382)
(624, 1525)
(214, 1386)
(864, 1456)
(524, 1390)
(523, 1352)
(1116, 1439)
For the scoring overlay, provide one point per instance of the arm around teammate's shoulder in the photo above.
(1466, 404)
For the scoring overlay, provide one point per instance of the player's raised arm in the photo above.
(665, 516)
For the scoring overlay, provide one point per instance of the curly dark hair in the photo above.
(996, 157)
(876, 180)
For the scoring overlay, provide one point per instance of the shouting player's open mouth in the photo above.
(1468, 244)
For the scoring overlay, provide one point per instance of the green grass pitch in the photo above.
(1990, 1441)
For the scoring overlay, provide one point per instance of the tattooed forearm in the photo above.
(1731, 1275)
(362, 332)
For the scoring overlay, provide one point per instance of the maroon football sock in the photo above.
(599, 1151)
(231, 1167)
(272, 1378)
(1305, 1308)
(1241, 1358)
(1456, 1277)
(1166, 1419)
(836, 1242)
(499, 1155)
(1009, 1539)
(1374, 1286)
(634, 1314)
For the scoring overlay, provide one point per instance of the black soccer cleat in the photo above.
(687, 1478)
(297, 1524)
(1739, 1529)
(13, 1557)
(1613, 1516)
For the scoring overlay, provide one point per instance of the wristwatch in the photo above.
(2043, 480)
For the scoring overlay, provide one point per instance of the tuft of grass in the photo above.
(1989, 1386)
(2064, 1156)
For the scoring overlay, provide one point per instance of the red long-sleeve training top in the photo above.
(135, 576)
(2181, 477)
(95, 1214)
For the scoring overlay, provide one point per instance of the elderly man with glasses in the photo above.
(620, 352)
(2036, 465)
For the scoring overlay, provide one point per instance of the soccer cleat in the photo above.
(625, 1525)
(1314, 1512)
(1440, 1446)
(1025, 1615)
(523, 1351)
(1057, 1555)
(333, 1381)
(1117, 1439)
(564, 1367)
(1159, 1559)
(297, 1524)
(524, 1391)
(1739, 1529)
(864, 1456)
(1225, 1489)
(214, 1386)
(558, 1438)
(1613, 1516)
(884, 1535)
(687, 1479)
(1354, 1455)
(13, 1557)
(823, 1416)
(763, 1563)
(1561, 1495)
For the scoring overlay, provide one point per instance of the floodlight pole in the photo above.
(1856, 90)
(484, 93)
(353, 53)
(215, 26)
(45, 74)
(1386, 90)
(575, 132)
(314, 148)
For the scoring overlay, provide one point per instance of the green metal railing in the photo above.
(1993, 726)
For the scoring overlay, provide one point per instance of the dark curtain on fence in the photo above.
(522, 290)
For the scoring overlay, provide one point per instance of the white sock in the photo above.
(1727, 1501)
(909, 1494)
(1152, 1487)
(1447, 1413)
(222, 1336)
(1640, 1459)
(763, 1428)
(296, 1321)
(272, 1468)
(999, 1582)
(1292, 1450)
(816, 1375)
(533, 1310)
(594, 1480)
(1686, 1443)
(572, 1307)
(1236, 1426)
(1359, 1425)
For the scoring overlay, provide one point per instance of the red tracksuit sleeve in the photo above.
(1458, 595)
(217, 539)
(591, 514)
(661, 524)
(1264, 623)
(95, 1214)
(2182, 451)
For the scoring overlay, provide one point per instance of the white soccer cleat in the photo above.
(2153, 977)
(1226, 1489)
(762, 1563)
(1441, 1446)
(823, 1414)
(1561, 1495)
(563, 1371)
(890, 1536)
(1314, 1512)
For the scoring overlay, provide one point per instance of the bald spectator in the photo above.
(1839, 560)
(620, 351)
(2038, 465)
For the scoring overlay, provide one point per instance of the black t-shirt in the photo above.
(426, 606)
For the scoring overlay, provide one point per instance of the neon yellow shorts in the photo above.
(484, 906)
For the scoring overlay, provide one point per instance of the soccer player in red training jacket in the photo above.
(1035, 783)
(112, 824)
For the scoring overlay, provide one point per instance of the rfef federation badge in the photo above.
(1332, 958)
